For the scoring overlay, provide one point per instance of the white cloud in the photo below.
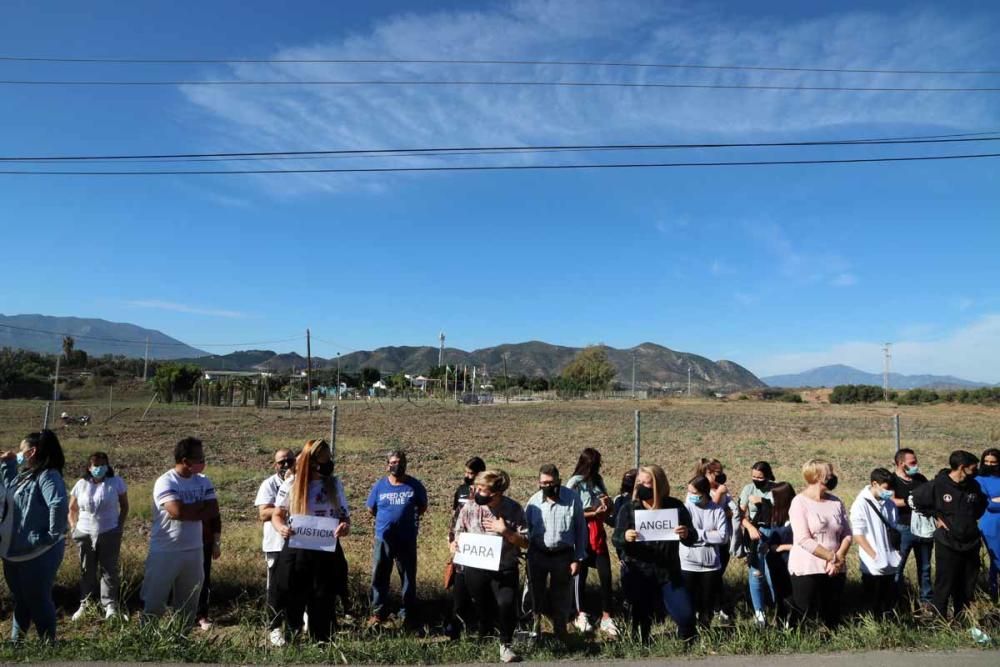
(720, 268)
(290, 118)
(844, 280)
(797, 263)
(183, 308)
(964, 303)
(969, 352)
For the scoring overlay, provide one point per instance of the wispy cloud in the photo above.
(968, 352)
(798, 263)
(184, 308)
(844, 280)
(290, 118)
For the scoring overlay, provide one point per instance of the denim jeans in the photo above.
(759, 578)
(921, 548)
(30, 582)
(404, 555)
(646, 595)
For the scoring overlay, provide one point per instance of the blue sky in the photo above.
(779, 268)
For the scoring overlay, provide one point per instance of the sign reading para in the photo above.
(481, 551)
(314, 533)
(656, 525)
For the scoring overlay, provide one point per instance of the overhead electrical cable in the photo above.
(477, 61)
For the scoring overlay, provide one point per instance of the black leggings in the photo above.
(309, 581)
(818, 595)
(495, 597)
(603, 564)
(703, 587)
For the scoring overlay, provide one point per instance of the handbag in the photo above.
(449, 574)
(895, 537)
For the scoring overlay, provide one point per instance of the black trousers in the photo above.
(461, 602)
(550, 581)
(308, 581)
(271, 560)
(603, 564)
(703, 587)
(882, 590)
(818, 595)
(495, 597)
(206, 585)
(954, 578)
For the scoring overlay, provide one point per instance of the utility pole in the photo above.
(506, 382)
(886, 365)
(689, 380)
(633, 374)
(333, 434)
(145, 362)
(638, 437)
(309, 367)
(55, 385)
(338, 376)
(441, 351)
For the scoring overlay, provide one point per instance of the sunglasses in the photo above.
(286, 463)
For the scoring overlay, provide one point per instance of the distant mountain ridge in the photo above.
(95, 336)
(831, 376)
(655, 365)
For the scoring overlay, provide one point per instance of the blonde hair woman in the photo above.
(651, 571)
(308, 580)
(821, 537)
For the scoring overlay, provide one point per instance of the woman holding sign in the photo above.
(489, 536)
(647, 532)
(311, 515)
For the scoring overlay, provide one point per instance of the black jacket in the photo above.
(958, 505)
(659, 559)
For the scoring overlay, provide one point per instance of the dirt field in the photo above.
(440, 437)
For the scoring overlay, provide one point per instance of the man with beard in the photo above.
(284, 464)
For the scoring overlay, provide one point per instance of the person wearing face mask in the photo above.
(397, 501)
(989, 525)
(701, 562)
(654, 578)
(588, 483)
(495, 593)
(756, 502)
(873, 524)
(557, 532)
(39, 508)
(183, 498)
(713, 471)
(905, 479)
(956, 502)
(821, 538)
(283, 466)
(309, 580)
(461, 608)
(98, 507)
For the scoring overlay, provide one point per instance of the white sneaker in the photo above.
(722, 616)
(305, 622)
(507, 654)
(760, 619)
(582, 623)
(81, 612)
(608, 627)
(112, 611)
(277, 637)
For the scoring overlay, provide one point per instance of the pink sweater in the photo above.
(815, 524)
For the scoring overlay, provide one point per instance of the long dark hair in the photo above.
(48, 452)
(783, 492)
(589, 466)
(90, 461)
(764, 467)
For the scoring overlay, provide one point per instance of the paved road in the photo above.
(990, 658)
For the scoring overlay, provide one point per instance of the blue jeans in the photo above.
(404, 555)
(31, 583)
(759, 579)
(648, 596)
(921, 548)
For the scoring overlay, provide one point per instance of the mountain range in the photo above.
(831, 376)
(96, 337)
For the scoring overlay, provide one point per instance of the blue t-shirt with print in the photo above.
(396, 508)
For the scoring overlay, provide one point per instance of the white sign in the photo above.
(315, 533)
(656, 525)
(480, 551)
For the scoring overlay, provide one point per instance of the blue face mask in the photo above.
(98, 472)
(886, 494)
(913, 471)
(21, 458)
(694, 500)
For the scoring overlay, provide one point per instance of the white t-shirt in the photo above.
(99, 508)
(865, 521)
(319, 503)
(170, 534)
(268, 495)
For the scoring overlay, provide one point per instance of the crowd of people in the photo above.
(795, 544)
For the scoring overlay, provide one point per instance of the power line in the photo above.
(558, 84)
(141, 342)
(474, 61)
(486, 150)
(638, 165)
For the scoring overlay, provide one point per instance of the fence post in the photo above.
(638, 436)
(148, 406)
(45, 419)
(895, 424)
(333, 435)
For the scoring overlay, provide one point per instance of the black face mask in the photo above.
(761, 484)
(469, 480)
(550, 491)
(831, 483)
(720, 478)
(397, 469)
(483, 500)
(644, 493)
(989, 470)
(325, 469)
